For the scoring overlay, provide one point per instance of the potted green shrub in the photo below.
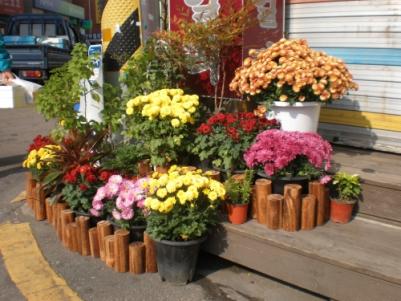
(347, 190)
(238, 193)
(183, 207)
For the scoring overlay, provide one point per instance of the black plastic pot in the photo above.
(279, 183)
(176, 260)
(135, 232)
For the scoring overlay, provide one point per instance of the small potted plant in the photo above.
(223, 138)
(163, 123)
(289, 157)
(123, 201)
(238, 194)
(292, 80)
(183, 207)
(347, 189)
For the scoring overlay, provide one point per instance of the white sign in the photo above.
(91, 107)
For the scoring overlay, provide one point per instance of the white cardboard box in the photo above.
(12, 97)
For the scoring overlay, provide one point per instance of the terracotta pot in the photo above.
(162, 169)
(144, 168)
(237, 213)
(340, 212)
(213, 174)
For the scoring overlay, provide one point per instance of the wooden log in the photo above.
(254, 212)
(263, 188)
(291, 218)
(327, 195)
(103, 229)
(121, 251)
(151, 261)
(83, 226)
(30, 189)
(60, 207)
(109, 250)
(74, 237)
(319, 191)
(213, 174)
(308, 216)
(137, 258)
(54, 215)
(79, 236)
(67, 217)
(39, 203)
(49, 211)
(68, 237)
(274, 211)
(94, 242)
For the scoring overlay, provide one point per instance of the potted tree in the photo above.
(292, 80)
(183, 207)
(289, 157)
(223, 138)
(238, 193)
(347, 190)
(123, 201)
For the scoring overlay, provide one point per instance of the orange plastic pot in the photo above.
(237, 213)
(340, 212)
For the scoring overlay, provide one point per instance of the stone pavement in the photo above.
(87, 277)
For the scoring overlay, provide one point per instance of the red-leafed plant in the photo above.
(224, 138)
(77, 149)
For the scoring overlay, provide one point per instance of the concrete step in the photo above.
(359, 261)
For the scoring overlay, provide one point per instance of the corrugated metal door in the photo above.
(367, 35)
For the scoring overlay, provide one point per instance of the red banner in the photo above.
(11, 7)
(268, 29)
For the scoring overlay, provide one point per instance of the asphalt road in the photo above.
(90, 278)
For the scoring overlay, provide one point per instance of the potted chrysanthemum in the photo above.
(163, 123)
(224, 137)
(289, 157)
(183, 207)
(123, 201)
(292, 80)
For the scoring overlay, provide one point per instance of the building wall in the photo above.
(367, 36)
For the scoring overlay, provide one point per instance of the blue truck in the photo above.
(39, 43)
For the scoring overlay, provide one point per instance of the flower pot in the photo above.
(237, 213)
(176, 260)
(279, 183)
(341, 212)
(162, 168)
(301, 116)
(135, 232)
(144, 168)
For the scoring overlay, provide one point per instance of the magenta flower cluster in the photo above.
(125, 195)
(275, 149)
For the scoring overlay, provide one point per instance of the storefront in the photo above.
(75, 12)
(366, 36)
(9, 8)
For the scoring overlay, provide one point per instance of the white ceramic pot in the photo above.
(301, 116)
